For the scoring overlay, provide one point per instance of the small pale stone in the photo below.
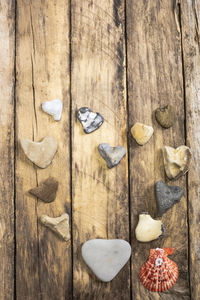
(106, 257)
(53, 108)
(165, 116)
(142, 133)
(40, 153)
(176, 161)
(167, 196)
(112, 155)
(46, 191)
(148, 229)
(59, 225)
(90, 121)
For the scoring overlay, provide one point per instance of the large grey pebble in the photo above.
(112, 155)
(90, 121)
(167, 196)
(106, 257)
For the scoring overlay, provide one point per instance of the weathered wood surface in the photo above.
(99, 195)
(7, 81)
(81, 51)
(43, 261)
(155, 79)
(190, 21)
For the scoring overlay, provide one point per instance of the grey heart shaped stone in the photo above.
(112, 155)
(90, 121)
(106, 257)
(167, 196)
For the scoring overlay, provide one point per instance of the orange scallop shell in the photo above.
(159, 273)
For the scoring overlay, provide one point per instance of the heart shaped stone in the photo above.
(165, 116)
(53, 108)
(112, 155)
(176, 161)
(148, 229)
(40, 153)
(142, 133)
(106, 257)
(59, 225)
(167, 196)
(90, 121)
(46, 191)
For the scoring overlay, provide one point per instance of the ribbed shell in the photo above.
(159, 273)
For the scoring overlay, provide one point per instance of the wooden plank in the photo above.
(99, 195)
(155, 79)
(190, 22)
(7, 81)
(43, 261)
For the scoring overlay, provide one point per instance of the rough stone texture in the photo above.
(165, 116)
(40, 153)
(176, 161)
(141, 133)
(90, 121)
(106, 257)
(59, 225)
(46, 190)
(53, 108)
(148, 229)
(112, 155)
(167, 196)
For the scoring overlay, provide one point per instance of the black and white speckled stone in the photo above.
(90, 121)
(112, 155)
(167, 196)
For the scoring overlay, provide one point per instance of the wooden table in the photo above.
(123, 59)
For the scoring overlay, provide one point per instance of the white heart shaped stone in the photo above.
(40, 153)
(106, 257)
(176, 161)
(53, 108)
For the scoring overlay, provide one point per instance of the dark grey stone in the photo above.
(112, 155)
(167, 196)
(90, 121)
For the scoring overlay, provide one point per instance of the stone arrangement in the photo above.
(103, 256)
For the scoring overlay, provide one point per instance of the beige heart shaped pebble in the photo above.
(176, 161)
(40, 153)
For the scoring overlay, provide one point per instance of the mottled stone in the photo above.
(90, 121)
(142, 133)
(112, 155)
(40, 153)
(46, 191)
(59, 225)
(165, 116)
(176, 161)
(53, 108)
(148, 229)
(167, 196)
(106, 257)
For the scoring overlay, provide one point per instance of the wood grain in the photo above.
(7, 81)
(155, 79)
(43, 261)
(100, 195)
(190, 22)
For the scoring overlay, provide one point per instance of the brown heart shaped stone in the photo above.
(46, 191)
(40, 153)
(165, 116)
